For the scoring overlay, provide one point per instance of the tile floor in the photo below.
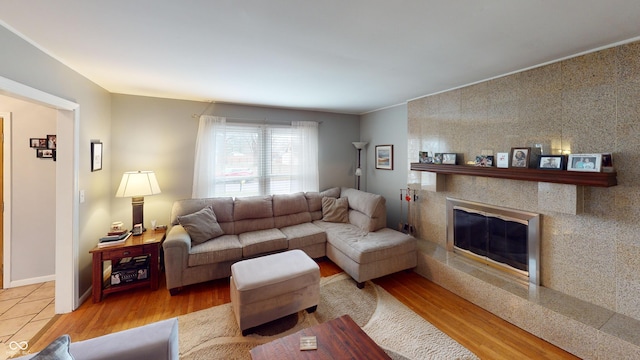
(24, 311)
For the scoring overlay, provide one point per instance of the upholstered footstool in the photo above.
(270, 287)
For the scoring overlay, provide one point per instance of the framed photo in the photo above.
(51, 141)
(384, 157)
(520, 157)
(437, 158)
(44, 153)
(502, 160)
(551, 162)
(423, 157)
(449, 158)
(38, 143)
(584, 162)
(96, 156)
(607, 162)
(484, 160)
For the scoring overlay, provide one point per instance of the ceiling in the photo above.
(345, 56)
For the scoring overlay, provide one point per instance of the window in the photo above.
(247, 159)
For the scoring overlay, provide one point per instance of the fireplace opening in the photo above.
(503, 238)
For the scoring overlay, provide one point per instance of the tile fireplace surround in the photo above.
(590, 242)
(583, 329)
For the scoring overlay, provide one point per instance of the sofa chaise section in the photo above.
(364, 247)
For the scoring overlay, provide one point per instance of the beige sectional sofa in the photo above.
(260, 225)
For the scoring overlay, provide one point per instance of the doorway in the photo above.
(67, 196)
(3, 116)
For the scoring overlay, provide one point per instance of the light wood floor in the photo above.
(486, 335)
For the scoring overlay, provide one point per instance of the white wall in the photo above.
(27, 65)
(387, 127)
(33, 183)
(159, 134)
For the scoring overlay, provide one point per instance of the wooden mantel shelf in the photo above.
(598, 179)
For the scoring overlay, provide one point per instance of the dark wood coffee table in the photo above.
(338, 338)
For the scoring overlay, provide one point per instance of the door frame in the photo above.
(6, 197)
(67, 199)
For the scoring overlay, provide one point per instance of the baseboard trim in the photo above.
(31, 281)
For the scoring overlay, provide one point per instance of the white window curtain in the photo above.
(240, 159)
(209, 142)
(306, 144)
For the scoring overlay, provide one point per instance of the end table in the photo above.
(149, 243)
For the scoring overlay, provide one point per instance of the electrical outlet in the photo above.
(81, 196)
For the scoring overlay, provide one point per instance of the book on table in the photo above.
(111, 240)
(117, 232)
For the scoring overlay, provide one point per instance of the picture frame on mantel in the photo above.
(384, 157)
(520, 157)
(552, 162)
(584, 162)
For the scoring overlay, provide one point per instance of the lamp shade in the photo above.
(360, 144)
(138, 183)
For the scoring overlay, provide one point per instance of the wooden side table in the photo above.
(149, 243)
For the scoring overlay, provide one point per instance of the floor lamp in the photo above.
(359, 145)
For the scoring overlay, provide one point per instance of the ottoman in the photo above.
(270, 287)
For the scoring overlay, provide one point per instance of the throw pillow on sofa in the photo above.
(201, 225)
(57, 350)
(335, 210)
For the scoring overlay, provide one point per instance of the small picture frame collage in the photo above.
(45, 147)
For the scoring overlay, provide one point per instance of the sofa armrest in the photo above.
(176, 246)
(157, 340)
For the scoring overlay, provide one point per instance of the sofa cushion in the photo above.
(302, 235)
(314, 200)
(290, 209)
(222, 207)
(252, 207)
(224, 248)
(201, 225)
(285, 204)
(335, 210)
(364, 247)
(57, 350)
(366, 210)
(262, 242)
(366, 203)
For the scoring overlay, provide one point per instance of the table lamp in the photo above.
(137, 185)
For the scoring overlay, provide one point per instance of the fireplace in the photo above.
(503, 238)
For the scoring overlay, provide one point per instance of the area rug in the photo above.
(214, 334)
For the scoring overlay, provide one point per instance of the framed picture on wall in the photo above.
(44, 153)
(38, 143)
(384, 157)
(51, 141)
(96, 155)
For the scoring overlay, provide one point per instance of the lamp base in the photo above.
(137, 207)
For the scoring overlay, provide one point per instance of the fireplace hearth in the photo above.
(503, 238)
